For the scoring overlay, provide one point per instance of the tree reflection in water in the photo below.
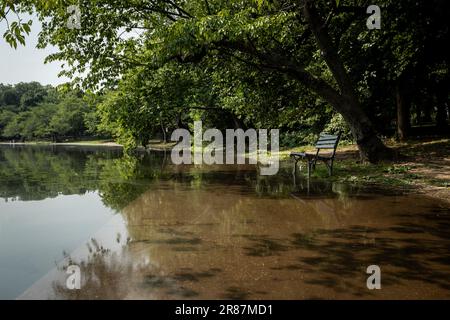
(225, 232)
(201, 243)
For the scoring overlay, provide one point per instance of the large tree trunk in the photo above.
(346, 103)
(403, 112)
(370, 146)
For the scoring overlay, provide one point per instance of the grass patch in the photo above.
(414, 171)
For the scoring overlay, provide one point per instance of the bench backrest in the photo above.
(328, 141)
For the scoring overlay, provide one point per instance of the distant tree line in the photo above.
(31, 111)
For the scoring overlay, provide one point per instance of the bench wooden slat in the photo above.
(328, 136)
(326, 142)
(327, 139)
(330, 142)
(325, 146)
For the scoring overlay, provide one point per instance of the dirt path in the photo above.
(426, 160)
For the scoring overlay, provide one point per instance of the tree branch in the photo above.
(277, 62)
(328, 48)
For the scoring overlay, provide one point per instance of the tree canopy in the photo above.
(291, 64)
(30, 111)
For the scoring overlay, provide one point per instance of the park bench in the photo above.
(327, 142)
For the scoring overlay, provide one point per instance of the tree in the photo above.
(8, 96)
(6, 117)
(407, 58)
(14, 127)
(16, 29)
(197, 30)
(31, 94)
(43, 112)
(309, 42)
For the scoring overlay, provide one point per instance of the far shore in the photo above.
(159, 146)
(105, 143)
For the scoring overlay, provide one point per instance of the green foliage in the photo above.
(337, 125)
(15, 29)
(41, 112)
(295, 139)
(162, 64)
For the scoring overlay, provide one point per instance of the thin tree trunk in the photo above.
(403, 113)
(441, 118)
(238, 123)
(442, 107)
(163, 132)
(182, 125)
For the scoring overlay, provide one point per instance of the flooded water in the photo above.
(142, 228)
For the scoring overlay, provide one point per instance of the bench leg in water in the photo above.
(310, 166)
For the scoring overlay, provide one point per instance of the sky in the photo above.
(26, 63)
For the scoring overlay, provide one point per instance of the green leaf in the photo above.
(26, 27)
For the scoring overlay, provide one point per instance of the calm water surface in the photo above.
(142, 228)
